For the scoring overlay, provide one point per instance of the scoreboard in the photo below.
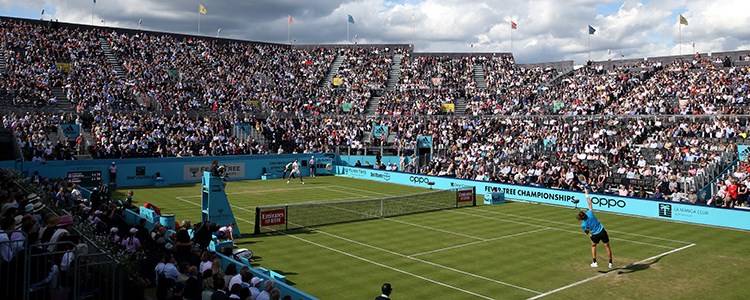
(85, 178)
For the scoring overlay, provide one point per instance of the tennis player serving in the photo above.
(591, 226)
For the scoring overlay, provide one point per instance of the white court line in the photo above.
(427, 262)
(558, 229)
(265, 191)
(478, 242)
(605, 274)
(389, 267)
(365, 259)
(554, 228)
(427, 227)
(574, 225)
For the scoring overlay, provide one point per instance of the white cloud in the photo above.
(548, 30)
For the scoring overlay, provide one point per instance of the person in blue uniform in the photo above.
(591, 226)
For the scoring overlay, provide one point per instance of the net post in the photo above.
(286, 219)
(257, 220)
(474, 196)
(457, 191)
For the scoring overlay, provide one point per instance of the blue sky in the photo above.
(548, 30)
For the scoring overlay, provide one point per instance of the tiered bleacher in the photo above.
(665, 129)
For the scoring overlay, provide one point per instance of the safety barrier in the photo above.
(61, 270)
(173, 170)
(279, 280)
(672, 211)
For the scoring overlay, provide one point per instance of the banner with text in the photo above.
(193, 172)
(633, 206)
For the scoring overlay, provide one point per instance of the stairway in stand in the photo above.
(395, 73)
(111, 58)
(62, 98)
(328, 81)
(479, 76)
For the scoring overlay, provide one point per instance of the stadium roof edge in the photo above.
(735, 55)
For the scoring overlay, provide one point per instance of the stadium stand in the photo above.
(643, 128)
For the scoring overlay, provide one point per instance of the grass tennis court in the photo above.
(510, 251)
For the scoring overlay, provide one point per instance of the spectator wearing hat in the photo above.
(255, 287)
(113, 236)
(132, 243)
(63, 230)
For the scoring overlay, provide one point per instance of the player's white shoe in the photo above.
(287, 182)
(594, 265)
(610, 265)
(303, 182)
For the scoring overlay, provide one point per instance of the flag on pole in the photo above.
(140, 21)
(351, 19)
(202, 9)
(291, 20)
(42, 11)
(591, 30)
(683, 21)
(94, 1)
(513, 25)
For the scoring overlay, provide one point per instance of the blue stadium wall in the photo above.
(662, 210)
(175, 170)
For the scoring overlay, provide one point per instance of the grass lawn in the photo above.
(509, 251)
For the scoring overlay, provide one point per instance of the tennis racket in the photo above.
(582, 180)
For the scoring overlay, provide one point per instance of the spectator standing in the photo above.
(113, 174)
(312, 166)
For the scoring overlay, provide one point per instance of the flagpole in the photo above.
(347, 30)
(511, 38)
(680, 30)
(199, 23)
(289, 30)
(92, 13)
(589, 46)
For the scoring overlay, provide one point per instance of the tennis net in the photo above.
(295, 216)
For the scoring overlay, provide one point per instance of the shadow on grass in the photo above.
(634, 267)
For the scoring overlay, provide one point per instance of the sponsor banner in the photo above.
(70, 131)
(379, 131)
(743, 151)
(346, 106)
(273, 217)
(194, 172)
(419, 180)
(64, 67)
(424, 141)
(683, 212)
(465, 196)
(448, 107)
(241, 130)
